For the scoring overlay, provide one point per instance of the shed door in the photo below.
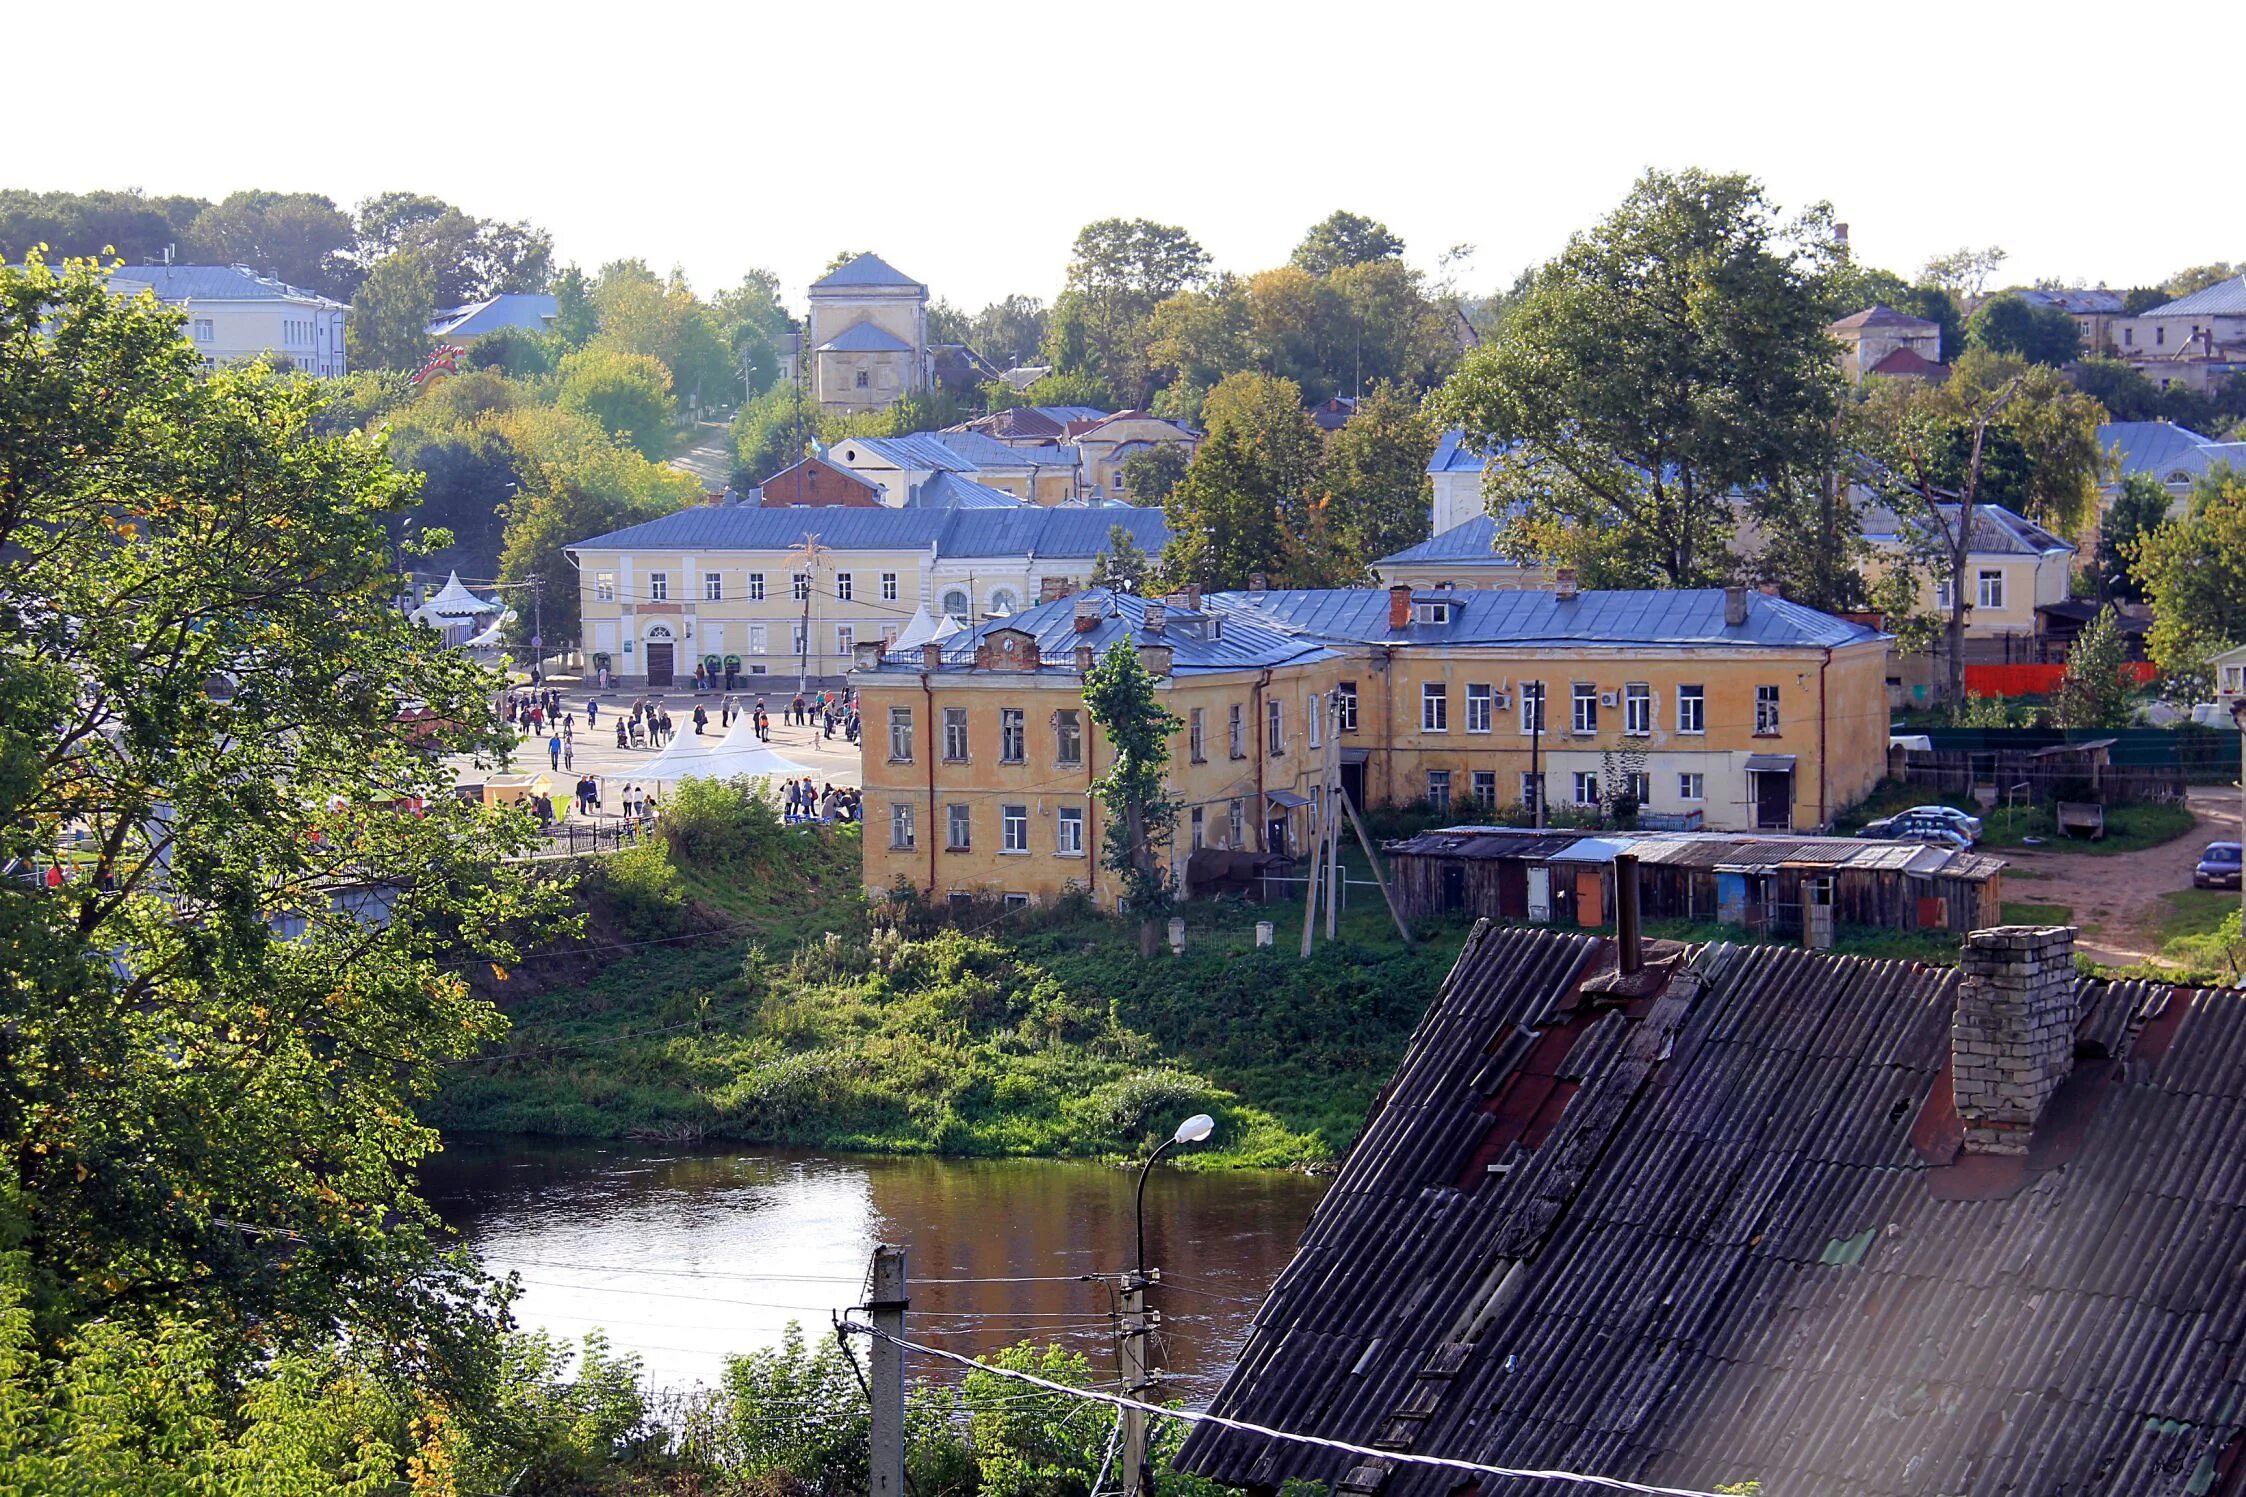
(1512, 890)
(1454, 887)
(1774, 800)
(1540, 892)
(1590, 897)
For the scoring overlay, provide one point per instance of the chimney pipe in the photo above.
(1083, 660)
(931, 655)
(1734, 607)
(1087, 615)
(1631, 956)
(2012, 1033)
(1399, 606)
(1563, 584)
(1156, 618)
(1256, 581)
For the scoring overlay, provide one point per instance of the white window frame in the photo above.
(1013, 828)
(1197, 735)
(900, 825)
(1315, 719)
(1346, 693)
(1586, 787)
(604, 587)
(713, 587)
(659, 587)
(1483, 787)
(959, 827)
(843, 587)
(1944, 594)
(1637, 709)
(1583, 708)
(888, 587)
(1988, 587)
(1013, 735)
(1479, 699)
(799, 586)
(1439, 791)
(1691, 785)
(756, 587)
(956, 742)
(900, 735)
(1434, 707)
(1236, 727)
(1236, 821)
(1532, 790)
(1068, 736)
(1692, 709)
(1532, 708)
(1275, 727)
(845, 639)
(1068, 831)
(1768, 721)
(760, 639)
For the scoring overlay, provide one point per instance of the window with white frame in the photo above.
(1236, 820)
(659, 586)
(1692, 709)
(1346, 694)
(1068, 736)
(1431, 613)
(1637, 709)
(1945, 596)
(1236, 731)
(604, 587)
(1439, 791)
(1434, 707)
(205, 331)
(843, 586)
(955, 604)
(1532, 707)
(955, 735)
(1766, 711)
(900, 824)
(1200, 829)
(1003, 602)
(760, 639)
(1585, 716)
(1485, 790)
(1068, 831)
(1692, 785)
(1478, 700)
(888, 587)
(756, 587)
(1017, 901)
(1275, 727)
(1586, 788)
(799, 586)
(1013, 829)
(1988, 591)
(796, 639)
(959, 827)
(1315, 718)
(900, 735)
(845, 638)
(1013, 735)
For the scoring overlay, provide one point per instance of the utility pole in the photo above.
(809, 555)
(1138, 1381)
(885, 1306)
(1332, 812)
(1536, 739)
(537, 627)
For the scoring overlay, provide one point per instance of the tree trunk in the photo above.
(1150, 938)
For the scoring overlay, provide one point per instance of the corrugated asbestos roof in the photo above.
(1681, 617)
(1233, 645)
(1015, 530)
(1716, 1237)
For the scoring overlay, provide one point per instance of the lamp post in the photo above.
(2238, 716)
(1138, 1378)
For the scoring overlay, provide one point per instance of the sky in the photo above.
(967, 143)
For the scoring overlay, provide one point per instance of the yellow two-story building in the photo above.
(2013, 566)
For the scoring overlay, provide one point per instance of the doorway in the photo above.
(660, 671)
(1454, 887)
(1774, 800)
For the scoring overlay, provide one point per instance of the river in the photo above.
(685, 1256)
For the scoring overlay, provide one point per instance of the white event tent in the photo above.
(737, 754)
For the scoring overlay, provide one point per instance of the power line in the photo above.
(1191, 1416)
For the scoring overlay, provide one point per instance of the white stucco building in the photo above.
(235, 313)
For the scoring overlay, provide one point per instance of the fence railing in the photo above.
(581, 839)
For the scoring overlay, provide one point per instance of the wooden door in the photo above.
(660, 671)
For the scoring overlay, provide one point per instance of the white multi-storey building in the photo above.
(235, 313)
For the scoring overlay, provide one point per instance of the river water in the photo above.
(687, 1256)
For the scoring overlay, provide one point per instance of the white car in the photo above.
(1968, 827)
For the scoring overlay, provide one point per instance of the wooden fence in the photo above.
(2030, 780)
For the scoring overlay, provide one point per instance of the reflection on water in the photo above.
(685, 1257)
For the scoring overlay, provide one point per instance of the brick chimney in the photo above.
(1087, 615)
(1083, 659)
(1256, 581)
(931, 656)
(2012, 1036)
(1157, 618)
(1734, 607)
(1399, 606)
(1563, 584)
(1156, 659)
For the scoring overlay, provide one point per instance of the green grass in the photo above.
(2199, 939)
(2128, 828)
(2024, 912)
(800, 1016)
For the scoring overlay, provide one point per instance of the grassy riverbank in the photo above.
(735, 985)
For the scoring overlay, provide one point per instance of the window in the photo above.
(1275, 727)
(1532, 792)
(1068, 831)
(955, 735)
(659, 586)
(864, 381)
(900, 825)
(1766, 711)
(1945, 596)
(1016, 901)
(204, 333)
(1002, 602)
(955, 604)
(1237, 729)
(1200, 829)
(1068, 736)
(1485, 790)
(713, 587)
(1439, 791)
(958, 828)
(1118, 480)
(796, 637)
(1692, 787)
(1236, 816)
(2159, 335)
(842, 586)
(1692, 709)
(1013, 736)
(1989, 593)
(1313, 719)
(1346, 694)
(604, 587)
(756, 587)
(1196, 735)
(1478, 699)
(900, 735)
(1637, 709)
(1585, 718)
(1532, 706)
(1641, 787)
(1434, 707)
(888, 587)
(800, 587)
(845, 639)
(760, 639)
(1013, 829)
(1431, 613)
(1586, 788)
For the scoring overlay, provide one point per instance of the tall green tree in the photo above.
(2010, 324)
(471, 257)
(131, 225)
(1122, 563)
(2094, 693)
(231, 745)
(2193, 573)
(389, 323)
(1118, 270)
(1250, 501)
(772, 432)
(629, 394)
(1345, 238)
(2139, 507)
(1150, 475)
(1375, 474)
(1670, 358)
(299, 237)
(1125, 703)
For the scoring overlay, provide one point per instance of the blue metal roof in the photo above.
(952, 452)
(1239, 642)
(1016, 530)
(1067, 413)
(950, 491)
(1997, 531)
(1673, 617)
(988, 452)
(1453, 456)
(173, 283)
(864, 337)
(1473, 542)
(2080, 303)
(866, 270)
(2223, 299)
(527, 309)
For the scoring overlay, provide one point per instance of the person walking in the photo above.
(553, 750)
(623, 735)
(592, 711)
(569, 754)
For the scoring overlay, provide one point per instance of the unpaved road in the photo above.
(2116, 899)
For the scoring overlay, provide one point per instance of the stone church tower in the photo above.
(869, 336)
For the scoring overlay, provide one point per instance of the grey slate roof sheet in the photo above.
(2223, 299)
(864, 337)
(866, 270)
(1016, 530)
(1238, 645)
(173, 283)
(1732, 1264)
(526, 309)
(2150, 446)
(1680, 617)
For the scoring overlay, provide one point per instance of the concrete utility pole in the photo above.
(1138, 1381)
(1332, 812)
(885, 1306)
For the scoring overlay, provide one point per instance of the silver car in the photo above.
(1968, 827)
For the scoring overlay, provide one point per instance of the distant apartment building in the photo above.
(233, 313)
(2195, 341)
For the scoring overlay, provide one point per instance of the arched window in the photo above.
(658, 633)
(1002, 601)
(955, 604)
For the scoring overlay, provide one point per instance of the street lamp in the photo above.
(1191, 1131)
(2238, 716)
(1138, 1377)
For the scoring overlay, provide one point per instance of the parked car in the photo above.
(1910, 826)
(2219, 866)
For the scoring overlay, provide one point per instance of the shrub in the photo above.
(640, 890)
(721, 823)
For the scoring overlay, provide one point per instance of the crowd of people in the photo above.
(799, 802)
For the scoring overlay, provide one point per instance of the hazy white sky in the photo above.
(967, 143)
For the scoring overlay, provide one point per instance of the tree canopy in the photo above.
(2011, 324)
(1345, 238)
(2193, 572)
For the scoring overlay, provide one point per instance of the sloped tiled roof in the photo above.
(2223, 299)
(1681, 618)
(1881, 315)
(1726, 1234)
(175, 283)
(1234, 645)
(1909, 363)
(866, 270)
(864, 337)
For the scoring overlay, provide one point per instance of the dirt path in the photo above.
(2116, 899)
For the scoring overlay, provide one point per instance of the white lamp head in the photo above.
(1194, 1129)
